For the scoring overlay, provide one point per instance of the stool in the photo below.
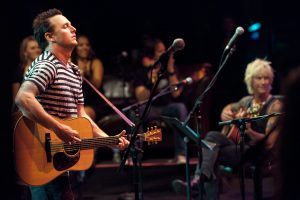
(257, 171)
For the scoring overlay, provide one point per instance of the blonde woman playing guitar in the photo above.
(258, 78)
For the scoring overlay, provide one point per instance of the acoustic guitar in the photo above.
(40, 156)
(232, 131)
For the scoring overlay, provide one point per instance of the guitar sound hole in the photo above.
(72, 149)
(62, 162)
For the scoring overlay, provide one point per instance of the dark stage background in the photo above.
(116, 26)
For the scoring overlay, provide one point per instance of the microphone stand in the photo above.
(138, 193)
(138, 104)
(241, 124)
(192, 112)
(138, 156)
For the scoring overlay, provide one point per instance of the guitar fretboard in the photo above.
(98, 142)
(85, 144)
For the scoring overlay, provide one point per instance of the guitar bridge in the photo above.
(47, 147)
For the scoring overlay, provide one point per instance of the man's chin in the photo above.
(73, 45)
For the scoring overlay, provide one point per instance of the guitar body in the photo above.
(234, 134)
(35, 163)
(232, 131)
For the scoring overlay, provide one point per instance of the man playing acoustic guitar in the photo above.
(52, 91)
(258, 78)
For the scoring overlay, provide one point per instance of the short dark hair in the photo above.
(41, 25)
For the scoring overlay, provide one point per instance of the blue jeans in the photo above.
(226, 153)
(57, 189)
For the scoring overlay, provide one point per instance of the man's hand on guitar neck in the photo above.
(123, 141)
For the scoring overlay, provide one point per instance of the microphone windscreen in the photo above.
(124, 54)
(189, 80)
(178, 44)
(239, 30)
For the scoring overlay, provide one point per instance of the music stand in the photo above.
(189, 134)
(187, 131)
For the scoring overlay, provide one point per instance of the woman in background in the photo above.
(91, 68)
(29, 51)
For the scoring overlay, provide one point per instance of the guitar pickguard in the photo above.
(63, 162)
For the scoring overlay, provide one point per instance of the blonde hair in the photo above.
(253, 68)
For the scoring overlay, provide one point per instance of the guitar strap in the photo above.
(128, 121)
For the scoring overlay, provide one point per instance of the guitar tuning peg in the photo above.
(155, 127)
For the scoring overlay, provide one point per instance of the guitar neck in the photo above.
(92, 143)
(85, 144)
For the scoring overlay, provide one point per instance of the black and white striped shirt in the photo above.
(60, 86)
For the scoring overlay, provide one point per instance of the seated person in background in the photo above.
(91, 67)
(258, 78)
(201, 78)
(29, 51)
(145, 79)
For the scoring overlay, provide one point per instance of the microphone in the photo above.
(238, 31)
(178, 44)
(186, 81)
(119, 58)
(123, 54)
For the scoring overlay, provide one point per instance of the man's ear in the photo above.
(49, 37)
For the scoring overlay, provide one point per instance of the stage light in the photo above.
(255, 35)
(254, 27)
(255, 31)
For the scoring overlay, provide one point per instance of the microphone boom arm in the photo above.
(213, 80)
(247, 120)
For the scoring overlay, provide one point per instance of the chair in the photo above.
(257, 169)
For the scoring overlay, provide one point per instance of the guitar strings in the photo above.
(73, 147)
(90, 143)
(84, 144)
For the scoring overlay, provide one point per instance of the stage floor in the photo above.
(105, 182)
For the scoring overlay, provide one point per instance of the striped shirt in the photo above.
(60, 87)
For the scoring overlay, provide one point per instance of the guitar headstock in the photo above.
(152, 135)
